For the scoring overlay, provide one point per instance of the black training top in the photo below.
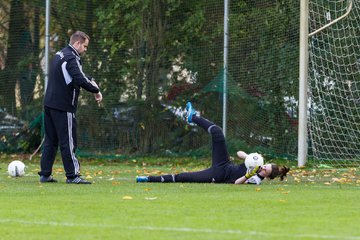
(230, 173)
(65, 79)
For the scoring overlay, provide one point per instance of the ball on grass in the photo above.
(16, 168)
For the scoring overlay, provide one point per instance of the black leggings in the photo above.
(220, 158)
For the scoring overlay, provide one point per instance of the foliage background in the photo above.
(148, 53)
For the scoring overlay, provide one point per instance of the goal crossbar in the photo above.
(334, 21)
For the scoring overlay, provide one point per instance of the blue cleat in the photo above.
(142, 179)
(190, 112)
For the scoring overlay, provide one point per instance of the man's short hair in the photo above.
(79, 36)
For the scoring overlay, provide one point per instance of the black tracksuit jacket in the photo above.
(65, 79)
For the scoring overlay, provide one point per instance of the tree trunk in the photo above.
(14, 54)
(31, 64)
(156, 45)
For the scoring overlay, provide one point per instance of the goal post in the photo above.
(303, 73)
(329, 87)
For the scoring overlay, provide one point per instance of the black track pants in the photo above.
(60, 131)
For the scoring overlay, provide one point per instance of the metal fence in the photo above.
(150, 54)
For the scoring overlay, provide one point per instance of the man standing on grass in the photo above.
(61, 98)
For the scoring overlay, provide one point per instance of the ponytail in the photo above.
(283, 171)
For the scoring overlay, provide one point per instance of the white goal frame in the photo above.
(303, 75)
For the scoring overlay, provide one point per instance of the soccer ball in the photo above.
(16, 168)
(253, 159)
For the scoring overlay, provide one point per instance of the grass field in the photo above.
(311, 204)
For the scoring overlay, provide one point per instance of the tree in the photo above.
(15, 46)
(22, 54)
(144, 40)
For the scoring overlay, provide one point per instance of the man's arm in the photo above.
(98, 96)
(79, 78)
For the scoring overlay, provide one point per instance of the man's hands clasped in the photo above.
(98, 96)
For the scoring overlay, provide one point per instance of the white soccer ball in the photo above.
(253, 159)
(16, 168)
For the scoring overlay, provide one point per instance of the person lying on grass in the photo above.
(222, 170)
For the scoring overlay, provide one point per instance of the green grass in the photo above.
(311, 204)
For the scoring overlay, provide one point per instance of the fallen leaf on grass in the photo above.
(257, 189)
(115, 183)
(341, 180)
(151, 198)
(127, 198)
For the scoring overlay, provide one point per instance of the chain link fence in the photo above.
(149, 54)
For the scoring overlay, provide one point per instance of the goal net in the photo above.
(334, 81)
